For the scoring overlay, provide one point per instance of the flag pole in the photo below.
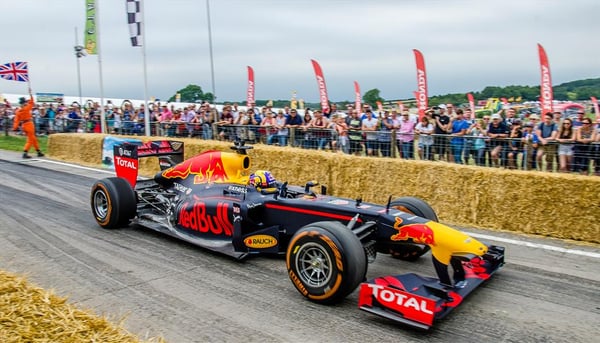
(146, 109)
(102, 114)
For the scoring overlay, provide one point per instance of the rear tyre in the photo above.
(410, 251)
(113, 202)
(326, 262)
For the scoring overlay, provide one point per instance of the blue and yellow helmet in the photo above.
(263, 179)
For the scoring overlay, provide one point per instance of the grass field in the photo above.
(16, 143)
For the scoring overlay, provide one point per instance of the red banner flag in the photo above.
(322, 87)
(595, 103)
(401, 106)
(421, 83)
(471, 104)
(250, 92)
(357, 97)
(546, 96)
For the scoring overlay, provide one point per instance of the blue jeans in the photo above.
(457, 148)
(282, 140)
(408, 150)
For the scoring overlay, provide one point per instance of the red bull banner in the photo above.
(322, 87)
(421, 93)
(546, 95)
(250, 92)
(471, 104)
(357, 97)
(595, 103)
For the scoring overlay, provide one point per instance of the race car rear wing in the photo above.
(127, 154)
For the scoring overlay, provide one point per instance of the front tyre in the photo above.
(326, 262)
(113, 202)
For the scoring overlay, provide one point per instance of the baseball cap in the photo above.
(496, 116)
(442, 106)
(534, 116)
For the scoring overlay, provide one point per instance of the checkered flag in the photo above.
(134, 20)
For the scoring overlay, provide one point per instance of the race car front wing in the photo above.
(418, 301)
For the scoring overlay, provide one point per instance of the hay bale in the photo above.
(32, 314)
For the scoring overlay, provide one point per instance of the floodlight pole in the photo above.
(78, 54)
(210, 49)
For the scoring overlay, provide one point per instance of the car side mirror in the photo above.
(309, 185)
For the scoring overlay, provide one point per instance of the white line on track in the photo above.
(476, 235)
(535, 245)
(79, 167)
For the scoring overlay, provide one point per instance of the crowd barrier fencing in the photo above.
(515, 153)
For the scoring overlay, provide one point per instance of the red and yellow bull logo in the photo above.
(418, 232)
(212, 166)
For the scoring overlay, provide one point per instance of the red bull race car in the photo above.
(214, 200)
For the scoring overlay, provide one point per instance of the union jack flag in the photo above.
(15, 71)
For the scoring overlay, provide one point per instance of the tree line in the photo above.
(575, 91)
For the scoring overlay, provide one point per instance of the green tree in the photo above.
(193, 93)
(372, 96)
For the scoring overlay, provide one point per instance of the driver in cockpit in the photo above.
(263, 180)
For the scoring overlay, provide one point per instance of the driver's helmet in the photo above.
(263, 179)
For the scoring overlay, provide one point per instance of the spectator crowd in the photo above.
(507, 139)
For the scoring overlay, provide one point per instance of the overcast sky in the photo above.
(467, 45)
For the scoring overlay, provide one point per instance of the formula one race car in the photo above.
(213, 200)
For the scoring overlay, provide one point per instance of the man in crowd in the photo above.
(405, 136)
(293, 122)
(369, 127)
(547, 132)
(458, 128)
(442, 125)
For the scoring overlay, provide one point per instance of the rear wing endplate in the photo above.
(127, 155)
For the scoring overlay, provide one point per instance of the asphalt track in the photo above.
(187, 294)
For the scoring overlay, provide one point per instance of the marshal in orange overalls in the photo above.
(24, 118)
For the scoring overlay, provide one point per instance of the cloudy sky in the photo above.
(467, 44)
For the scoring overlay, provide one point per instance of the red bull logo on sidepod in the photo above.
(205, 168)
(419, 233)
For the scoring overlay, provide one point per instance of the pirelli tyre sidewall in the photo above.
(326, 262)
(113, 202)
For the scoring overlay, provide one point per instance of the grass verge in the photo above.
(16, 143)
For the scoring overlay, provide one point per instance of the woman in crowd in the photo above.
(584, 137)
(424, 129)
(476, 130)
(341, 129)
(515, 146)
(566, 138)
(269, 125)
